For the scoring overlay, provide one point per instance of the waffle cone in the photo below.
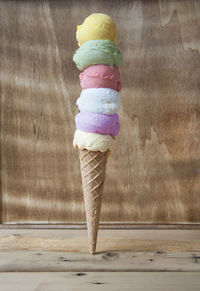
(93, 171)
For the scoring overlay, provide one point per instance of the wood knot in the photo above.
(64, 259)
(110, 256)
(98, 283)
(81, 274)
(160, 252)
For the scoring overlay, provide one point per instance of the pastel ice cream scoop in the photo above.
(96, 26)
(101, 76)
(99, 51)
(92, 141)
(98, 123)
(99, 100)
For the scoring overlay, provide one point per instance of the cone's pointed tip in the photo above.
(92, 251)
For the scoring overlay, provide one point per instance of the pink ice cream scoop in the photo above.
(98, 123)
(101, 76)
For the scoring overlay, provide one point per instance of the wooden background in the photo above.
(153, 175)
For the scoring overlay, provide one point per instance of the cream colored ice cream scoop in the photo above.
(92, 141)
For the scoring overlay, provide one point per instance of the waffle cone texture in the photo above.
(93, 171)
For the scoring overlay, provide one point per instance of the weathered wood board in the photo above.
(117, 251)
(50, 260)
(108, 240)
(138, 281)
(114, 261)
(153, 174)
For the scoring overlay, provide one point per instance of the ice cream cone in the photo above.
(93, 170)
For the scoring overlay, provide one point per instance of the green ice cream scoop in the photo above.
(98, 51)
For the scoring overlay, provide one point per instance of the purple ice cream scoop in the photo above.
(98, 123)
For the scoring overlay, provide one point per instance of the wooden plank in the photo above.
(153, 173)
(147, 234)
(110, 261)
(102, 225)
(108, 240)
(95, 281)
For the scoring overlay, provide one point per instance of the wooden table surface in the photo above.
(142, 260)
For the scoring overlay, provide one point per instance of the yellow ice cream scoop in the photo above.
(97, 26)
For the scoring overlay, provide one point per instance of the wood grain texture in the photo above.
(48, 261)
(138, 281)
(153, 174)
(108, 240)
(102, 225)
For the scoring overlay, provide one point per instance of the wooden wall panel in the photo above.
(153, 174)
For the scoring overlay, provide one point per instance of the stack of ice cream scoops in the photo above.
(97, 123)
